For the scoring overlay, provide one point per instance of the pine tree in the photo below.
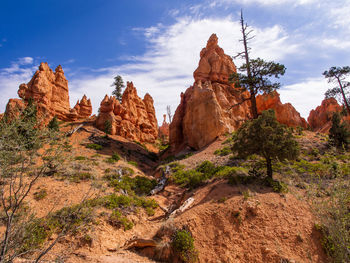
(338, 75)
(119, 86)
(257, 73)
(339, 135)
(266, 137)
(53, 124)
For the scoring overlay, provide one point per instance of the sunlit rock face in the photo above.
(320, 119)
(133, 119)
(49, 91)
(205, 111)
(285, 113)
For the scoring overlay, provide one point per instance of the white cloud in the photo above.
(166, 69)
(267, 2)
(10, 79)
(306, 95)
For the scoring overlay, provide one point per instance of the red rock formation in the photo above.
(163, 131)
(83, 107)
(285, 113)
(133, 119)
(205, 111)
(214, 64)
(49, 90)
(320, 119)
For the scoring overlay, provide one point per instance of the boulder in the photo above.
(133, 119)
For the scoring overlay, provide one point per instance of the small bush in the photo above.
(94, 146)
(114, 158)
(183, 244)
(224, 151)
(53, 124)
(82, 176)
(116, 219)
(80, 158)
(41, 194)
(133, 163)
(278, 187)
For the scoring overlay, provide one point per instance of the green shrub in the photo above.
(224, 151)
(82, 176)
(183, 244)
(114, 158)
(339, 134)
(80, 158)
(278, 187)
(133, 163)
(53, 124)
(227, 171)
(41, 194)
(207, 168)
(116, 219)
(94, 146)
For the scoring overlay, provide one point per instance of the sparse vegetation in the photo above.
(40, 194)
(94, 146)
(183, 244)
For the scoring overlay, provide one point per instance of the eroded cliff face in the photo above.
(205, 111)
(133, 119)
(320, 119)
(285, 113)
(49, 90)
(212, 106)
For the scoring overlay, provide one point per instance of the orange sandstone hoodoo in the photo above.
(206, 109)
(132, 119)
(49, 90)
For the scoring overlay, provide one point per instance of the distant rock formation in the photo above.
(49, 90)
(212, 106)
(133, 119)
(320, 119)
(163, 131)
(205, 110)
(285, 113)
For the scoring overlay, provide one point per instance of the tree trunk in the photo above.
(249, 74)
(254, 109)
(344, 98)
(269, 167)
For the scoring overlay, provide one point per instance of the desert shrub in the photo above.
(53, 124)
(80, 158)
(183, 244)
(139, 185)
(224, 151)
(334, 215)
(41, 194)
(116, 219)
(207, 168)
(133, 163)
(94, 146)
(114, 158)
(227, 171)
(277, 186)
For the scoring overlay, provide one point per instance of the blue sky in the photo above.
(156, 43)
